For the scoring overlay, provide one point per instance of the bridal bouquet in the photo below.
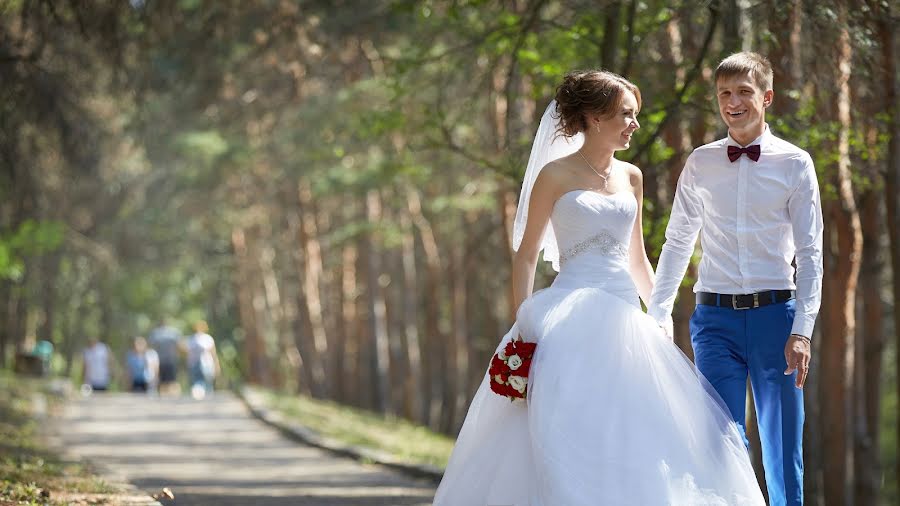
(509, 369)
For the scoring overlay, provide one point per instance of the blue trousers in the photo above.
(731, 344)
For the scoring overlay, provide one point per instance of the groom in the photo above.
(754, 200)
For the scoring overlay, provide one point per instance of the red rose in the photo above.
(499, 368)
(509, 391)
(497, 365)
(524, 369)
(526, 348)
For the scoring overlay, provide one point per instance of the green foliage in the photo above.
(31, 238)
(821, 140)
(205, 146)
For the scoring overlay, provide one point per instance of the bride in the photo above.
(615, 413)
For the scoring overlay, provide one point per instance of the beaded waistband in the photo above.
(603, 242)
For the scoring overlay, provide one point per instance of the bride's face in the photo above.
(615, 132)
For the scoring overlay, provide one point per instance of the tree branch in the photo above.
(448, 144)
(691, 76)
(513, 66)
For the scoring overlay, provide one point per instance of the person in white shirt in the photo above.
(754, 200)
(202, 360)
(96, 372)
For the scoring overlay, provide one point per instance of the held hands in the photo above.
(797, 354)
(668, 327)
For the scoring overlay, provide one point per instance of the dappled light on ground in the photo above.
(212, 452)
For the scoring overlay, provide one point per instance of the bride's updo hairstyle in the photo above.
(584, 92)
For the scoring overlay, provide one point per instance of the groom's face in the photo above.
(742, 103)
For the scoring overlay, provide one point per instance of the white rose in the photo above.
(518, 383)
(514, 362)
(502, 353)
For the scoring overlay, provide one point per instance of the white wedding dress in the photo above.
(616, 414)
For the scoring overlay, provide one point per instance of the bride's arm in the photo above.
(639, 264)
(543, 196)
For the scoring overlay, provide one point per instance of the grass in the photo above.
(410, 442)
(30, 474)
(890, 494)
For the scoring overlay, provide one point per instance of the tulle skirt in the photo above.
(616, 415)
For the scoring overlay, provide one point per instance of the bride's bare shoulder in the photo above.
(635, 176)
(557, 173)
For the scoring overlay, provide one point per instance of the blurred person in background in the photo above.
(96, 370)
(202, 360)
(166, 340)
(143, 366)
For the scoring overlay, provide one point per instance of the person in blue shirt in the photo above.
(143, 366)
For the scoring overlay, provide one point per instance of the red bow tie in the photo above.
(735, 152)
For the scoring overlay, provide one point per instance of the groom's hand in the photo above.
(797, 354)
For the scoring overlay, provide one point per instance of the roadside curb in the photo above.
(253, 401)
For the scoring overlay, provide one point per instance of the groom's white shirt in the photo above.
(753, 219)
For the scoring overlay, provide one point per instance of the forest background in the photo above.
(331, 184)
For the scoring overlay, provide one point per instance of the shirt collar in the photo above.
(762, 140)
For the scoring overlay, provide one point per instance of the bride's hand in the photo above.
(668, 327)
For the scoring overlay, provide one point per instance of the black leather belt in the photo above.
(745, 301)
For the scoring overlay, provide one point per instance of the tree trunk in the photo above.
(393, 288)
(301, 328)
(629, 38)
(505, 195)
(870, 346)
(414, 386)
(70, 326)
(19, 312)
(5, 313)
(434, 343)
(506, 205)
(48, 294)
(254, 343)
(376, 306)
(784, 53)
(731, 26)
(458, 344)
(886, 32)
(307, 236)
(348, 364)
(287, 360)
(843, 259)
(611, 31)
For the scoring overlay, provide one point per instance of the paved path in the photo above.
(212, 452)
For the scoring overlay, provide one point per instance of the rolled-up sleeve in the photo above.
(805, 209)
(681, 237)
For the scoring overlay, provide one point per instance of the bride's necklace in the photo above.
(604, 178)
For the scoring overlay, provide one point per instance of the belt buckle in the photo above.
(734, 303)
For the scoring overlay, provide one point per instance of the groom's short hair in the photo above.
(740, 64)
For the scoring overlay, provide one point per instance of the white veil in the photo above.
(548, 146)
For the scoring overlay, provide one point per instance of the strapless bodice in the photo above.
(593, 233)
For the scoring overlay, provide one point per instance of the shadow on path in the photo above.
(212, 452)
